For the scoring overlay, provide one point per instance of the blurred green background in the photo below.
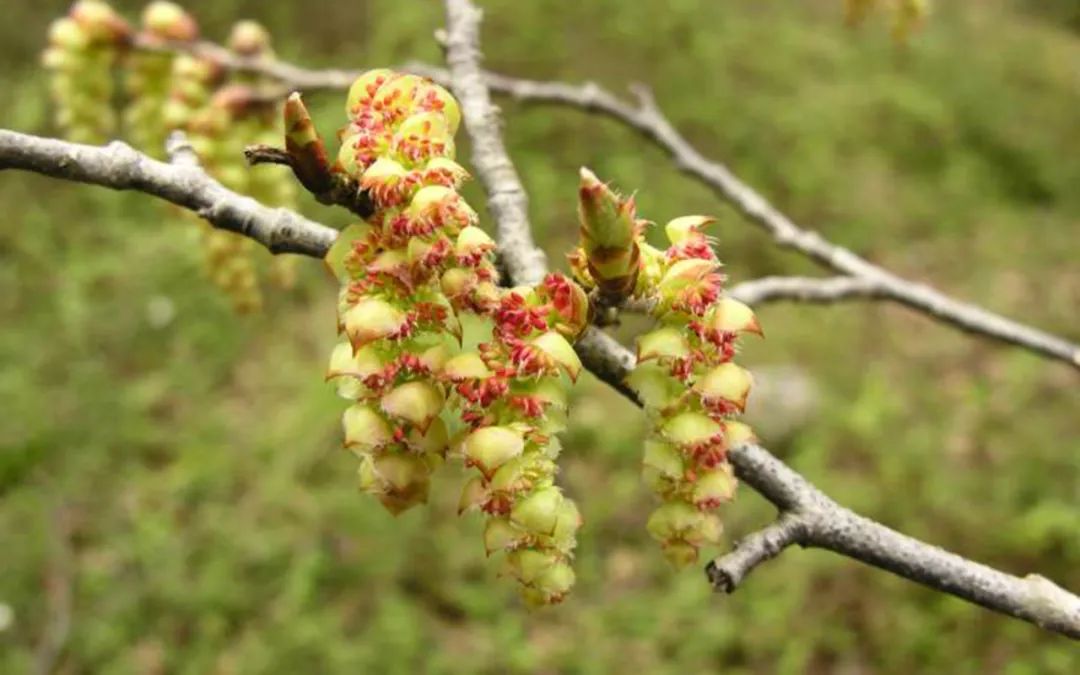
(172, 494)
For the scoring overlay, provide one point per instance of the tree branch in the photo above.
(507, 201)
(646, 118)
(807, 515)
(809, 518)
(120, 167)
(804, 289)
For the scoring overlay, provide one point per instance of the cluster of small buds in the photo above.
(512, 396)
(84, 47)
(685, 376)
(149, 75)
(167, 89)
(219, 132)
(408, 272)
(262, 124)
(907, 15)
(398, 326)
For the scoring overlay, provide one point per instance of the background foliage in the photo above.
(179, 467)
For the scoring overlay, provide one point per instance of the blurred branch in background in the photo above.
(645, 117)
(807, 516)
(58, 582)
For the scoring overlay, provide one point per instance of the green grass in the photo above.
(213, 522)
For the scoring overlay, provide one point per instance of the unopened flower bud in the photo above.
(249, 38)
(491, 447)
(168, 21)
(662, 343)
(560, 351)
(372, 319)
(416, 402)
(691, 428)
(365, 429)
(726, 382)
(731, 316)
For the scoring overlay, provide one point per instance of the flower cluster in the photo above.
(685, 376)
(166, 88)
(907, 15)
(149, 75)
(512, 395)
(399, 328)
(408, 272)
(84, 46)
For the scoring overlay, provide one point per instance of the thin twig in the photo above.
(59, 581)
(804, 289)
(809, 518)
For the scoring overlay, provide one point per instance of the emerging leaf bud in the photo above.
(608, 237)
(307, 152)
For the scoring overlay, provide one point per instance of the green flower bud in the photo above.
(731, 316)
(415, 402)
(363, 89)
(737, 433)
(168, 21)
(655, 386)
(500, 535)
(399, 481)
(690, 428)
(488, 448)
(715, 487)
(662, 343)
(685, 227)
(473, 494)
(372, 319)
(726, 382)
(249, 38)
(538, 511)
(365, 429)
(466, 366)
(560, 351)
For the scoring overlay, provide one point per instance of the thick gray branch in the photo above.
(120, 167)
(809, 518)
